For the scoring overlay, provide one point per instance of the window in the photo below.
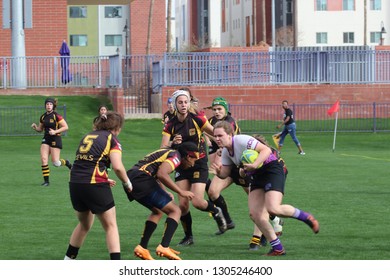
(78, 12)
(112, 12)
(289, 7)
(376, 5)
(348, 5)
(289, 12)
(375, 37)
(322, 5)
(78, 40)
(348, 38)
(321, 38)
(112, 40)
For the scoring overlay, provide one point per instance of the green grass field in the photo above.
(347, 190)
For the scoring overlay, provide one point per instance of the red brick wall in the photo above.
(139, 27)
(298, 94)
(49, 29)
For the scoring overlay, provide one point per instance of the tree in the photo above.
(149, 27)
(264, 24)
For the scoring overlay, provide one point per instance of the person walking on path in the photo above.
(289, 128)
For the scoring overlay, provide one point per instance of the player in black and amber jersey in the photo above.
(149, 176)
(90, 187)
(188, 127)
(52, 124)
(214, 188)
(101, 110)
(170, 113)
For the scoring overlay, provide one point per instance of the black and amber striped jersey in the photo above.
(51, 121)
(167, 116)
(92, 157)
(151, 162)
(190, 130)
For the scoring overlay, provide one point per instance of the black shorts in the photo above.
(237, 179)
(199, 173)
(269, 177)
(97, 198)
(53, 141)
(156, 199)
(146, 190)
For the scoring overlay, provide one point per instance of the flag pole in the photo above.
(335, 131)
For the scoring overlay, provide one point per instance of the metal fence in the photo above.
(59, 71)
(140, 80)
(16, 121)
(330, 66)
(277, 67)
(142, 75)
(369, 117)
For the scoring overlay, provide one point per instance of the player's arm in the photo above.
(165, 141)
(119, 169)
(207, 138)
(264, 152)
(208, 129)
(163, 172)
(37, 128)
(62, 127)
(222, 171)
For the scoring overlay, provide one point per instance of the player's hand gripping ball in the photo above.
(250, 156)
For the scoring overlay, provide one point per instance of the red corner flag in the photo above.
(335, 108)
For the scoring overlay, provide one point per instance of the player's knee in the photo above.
(197, 204)
(156, 215)
(273, 211)
(175, 213)
(184, 207)
(57, 163)
(213, 194)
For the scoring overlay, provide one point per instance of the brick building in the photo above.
(50, 26)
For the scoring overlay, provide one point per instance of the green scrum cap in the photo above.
(221, 101)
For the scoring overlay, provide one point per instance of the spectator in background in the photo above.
(289, 128)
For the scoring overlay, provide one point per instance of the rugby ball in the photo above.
(249, 156)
